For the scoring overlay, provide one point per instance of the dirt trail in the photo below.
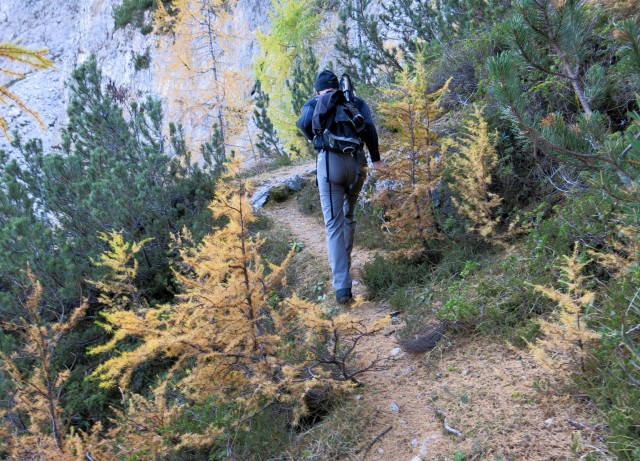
(485, 390)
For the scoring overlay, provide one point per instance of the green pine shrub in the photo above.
(131, 12)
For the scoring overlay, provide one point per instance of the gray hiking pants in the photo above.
(338, 197)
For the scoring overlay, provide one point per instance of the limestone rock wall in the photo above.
(72, 30)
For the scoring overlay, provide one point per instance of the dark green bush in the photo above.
(614, 379)
(308, 200)
(131, 12)
(382, 275)
(142, 61)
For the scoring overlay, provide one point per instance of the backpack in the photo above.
(336, 123)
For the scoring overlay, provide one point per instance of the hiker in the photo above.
(340, 173)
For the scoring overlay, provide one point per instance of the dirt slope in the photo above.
(478, 385)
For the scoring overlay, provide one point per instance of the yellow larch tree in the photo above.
(471, 168)
(19, 56)
(207, 87)
(32, 426)
(563, 347)
(118, 288)
(416, 157)
(219, 321)
(225, 337)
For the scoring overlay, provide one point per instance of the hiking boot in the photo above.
(344, 295)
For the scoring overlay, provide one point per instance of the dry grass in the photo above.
(497, 397)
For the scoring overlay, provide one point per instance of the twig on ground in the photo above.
(447, 428)
(373, 442)
(576, 424)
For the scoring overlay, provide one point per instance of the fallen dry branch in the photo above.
(373, 442)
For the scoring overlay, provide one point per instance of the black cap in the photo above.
(325, 80)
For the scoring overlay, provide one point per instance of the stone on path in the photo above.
(279, 187)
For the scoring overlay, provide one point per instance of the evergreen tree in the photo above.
(374, 42)
(300, 88)
(295, 26)
(268, 142)
(363, 47)
(302, 79)
(213, 151)
(113, 173)
(552, 37)
(117, 171)
(552, 46)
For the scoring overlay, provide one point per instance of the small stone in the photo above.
(381, 451)
(403, 422)
(416, 458)
(465, 372)
(359, 397)
(425, 442)
(438, 375)
(394, 407)
(396, 351)
(414, 443)
(549, 422)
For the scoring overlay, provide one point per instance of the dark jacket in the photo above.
(369, 135)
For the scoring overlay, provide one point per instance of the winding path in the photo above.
(483, 388)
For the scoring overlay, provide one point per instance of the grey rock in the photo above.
(394, 407)
(396, 351)
(260, 197)
(295, 183)
(279, 188)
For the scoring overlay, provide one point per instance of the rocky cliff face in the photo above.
(72, 30)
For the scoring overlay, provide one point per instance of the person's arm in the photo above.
(304, 122)
(369, 134)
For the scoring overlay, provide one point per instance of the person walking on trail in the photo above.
(341, 171)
